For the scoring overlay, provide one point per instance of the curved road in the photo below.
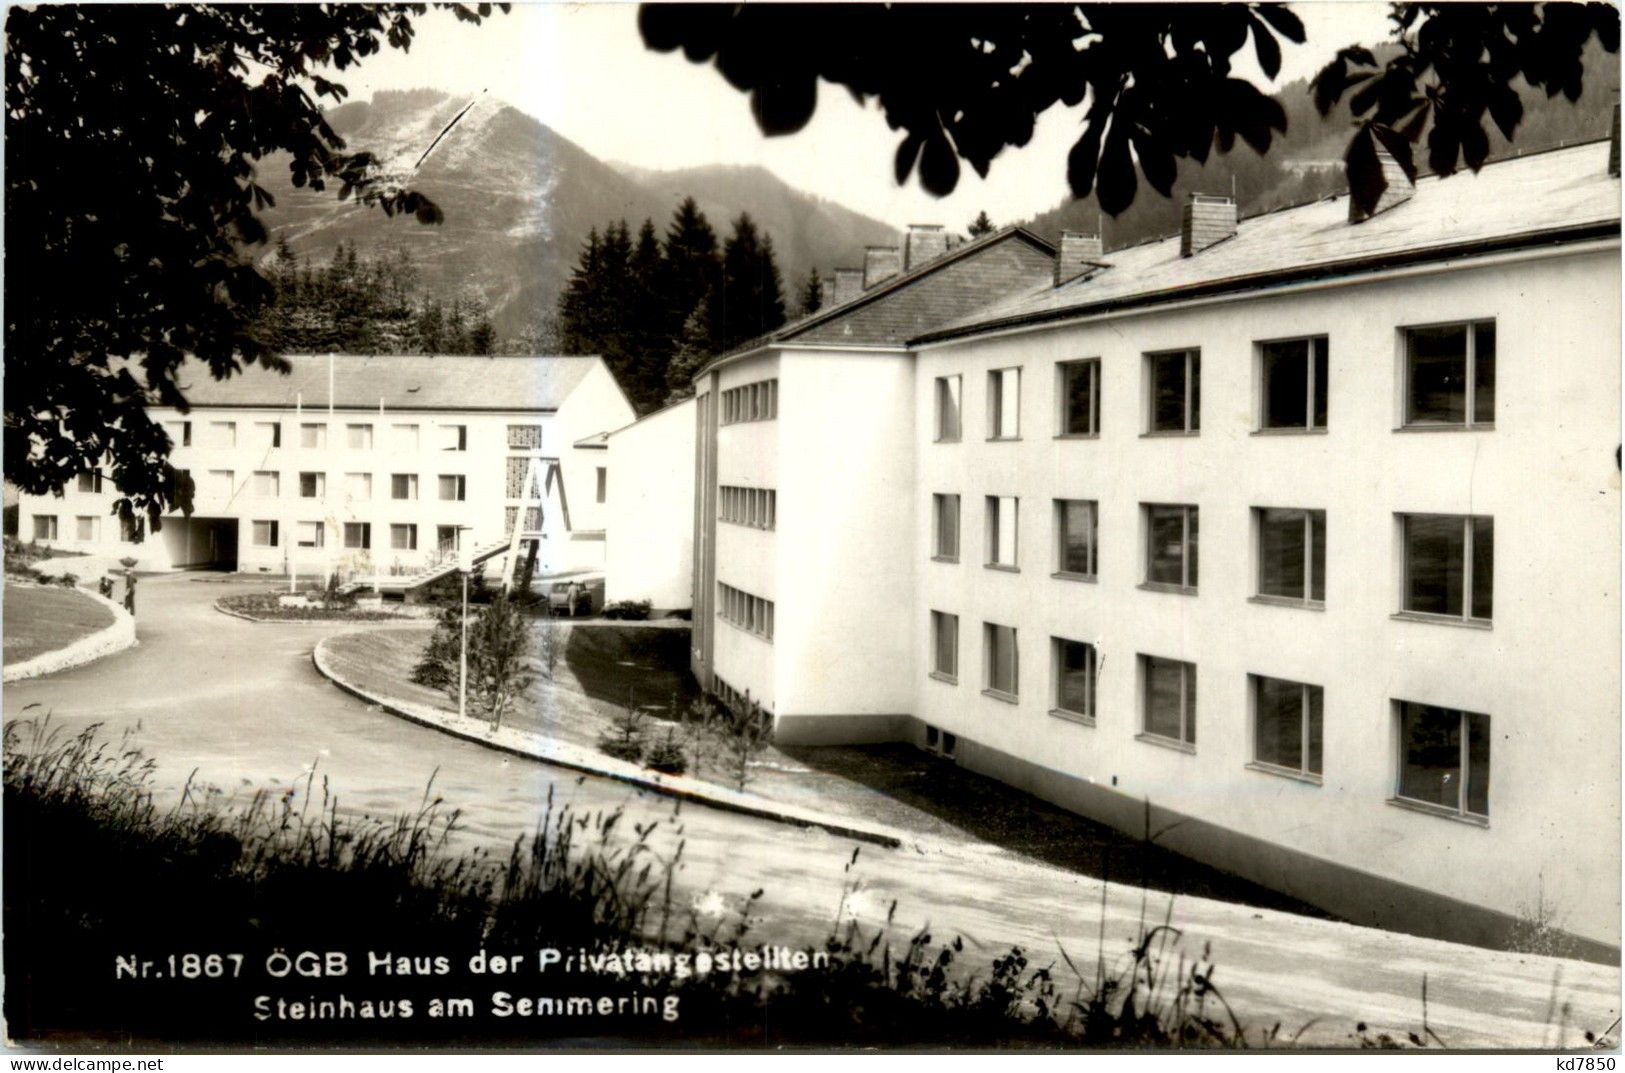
(242, 704)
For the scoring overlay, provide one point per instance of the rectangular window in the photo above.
(1171, 533)
(312, 485)
(1074, 678)
(267, 483)
(89, 528)
(313, 435)
(403, 486)
(267, 435)
(359, 437)
(453, 486)
(403, 437)
(751, 402)
(525, 437)
(1001, 672)
(1450, 375)
(1002, 531)
(309, 534)
(1004, 404)
(264, 534)
(403, 537)
(90, 481)
(358, 486)
(603, 483)
(453, 437)
(945, 527)
(1292, 554)
(220, 483)
(45, 527)
(358, 535)
(948, 409)
(945, 645)
(1292, 383)
(222, 433)
(1076, 527)
(750, 613)
(1169, 700)
(445, 539)
(1449, 565)
(180, 433)
(1080, 397)
(1174, 387)
(1444, 758)
(1286, 724)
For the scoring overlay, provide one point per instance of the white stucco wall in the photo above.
(649, 550)
(1547, 673)
(846, 506)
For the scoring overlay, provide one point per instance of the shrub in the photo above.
(636, 610)
(438, 667)
(625, 740)
(68, 581)
(666, 756)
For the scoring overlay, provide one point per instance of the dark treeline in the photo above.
(372, 304)
(654, 309)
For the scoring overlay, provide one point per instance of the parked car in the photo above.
(564, 598)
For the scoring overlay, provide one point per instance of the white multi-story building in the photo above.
(364, 466)
(1294, 542)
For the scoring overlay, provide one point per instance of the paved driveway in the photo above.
(242, 704)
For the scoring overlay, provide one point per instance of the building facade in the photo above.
(650, 551)
(365, 466)
(1292, 543)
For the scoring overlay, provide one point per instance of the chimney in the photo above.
(1077, 254)
(926, 242)
(1209, 220)
(1613, 147)
(1397, 192)
(880, 263)
(848, 285)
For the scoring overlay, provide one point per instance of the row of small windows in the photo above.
(1443, 753)
(267, 484)
(87, 529)
(267, 533)
(750, 613)
(751, 402)
(358, 436)
(1449, 382)
(757, 507)
(1448, 558)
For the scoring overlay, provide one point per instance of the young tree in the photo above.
(498, 643)
(981, 225)
(132, 134)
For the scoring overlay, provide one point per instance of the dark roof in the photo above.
(970, 276)
(1562, 194)
(399, 382)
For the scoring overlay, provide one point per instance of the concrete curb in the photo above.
(116, 637)
(535, 747)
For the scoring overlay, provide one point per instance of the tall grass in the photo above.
(96, 870)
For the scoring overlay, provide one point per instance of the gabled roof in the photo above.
(398, 382)
(1559, 195)
(967, 277)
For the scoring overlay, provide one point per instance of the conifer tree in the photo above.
(812, 293)
(982, 225)
(750, 298)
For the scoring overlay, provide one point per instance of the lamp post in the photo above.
(465, 566)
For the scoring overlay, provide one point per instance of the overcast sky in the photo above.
(582, 69)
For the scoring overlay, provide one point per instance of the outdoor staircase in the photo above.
(404, 583)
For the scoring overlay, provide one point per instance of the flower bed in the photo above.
(268, 607)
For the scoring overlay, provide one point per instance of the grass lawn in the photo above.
(895, 785)
(43, 618)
